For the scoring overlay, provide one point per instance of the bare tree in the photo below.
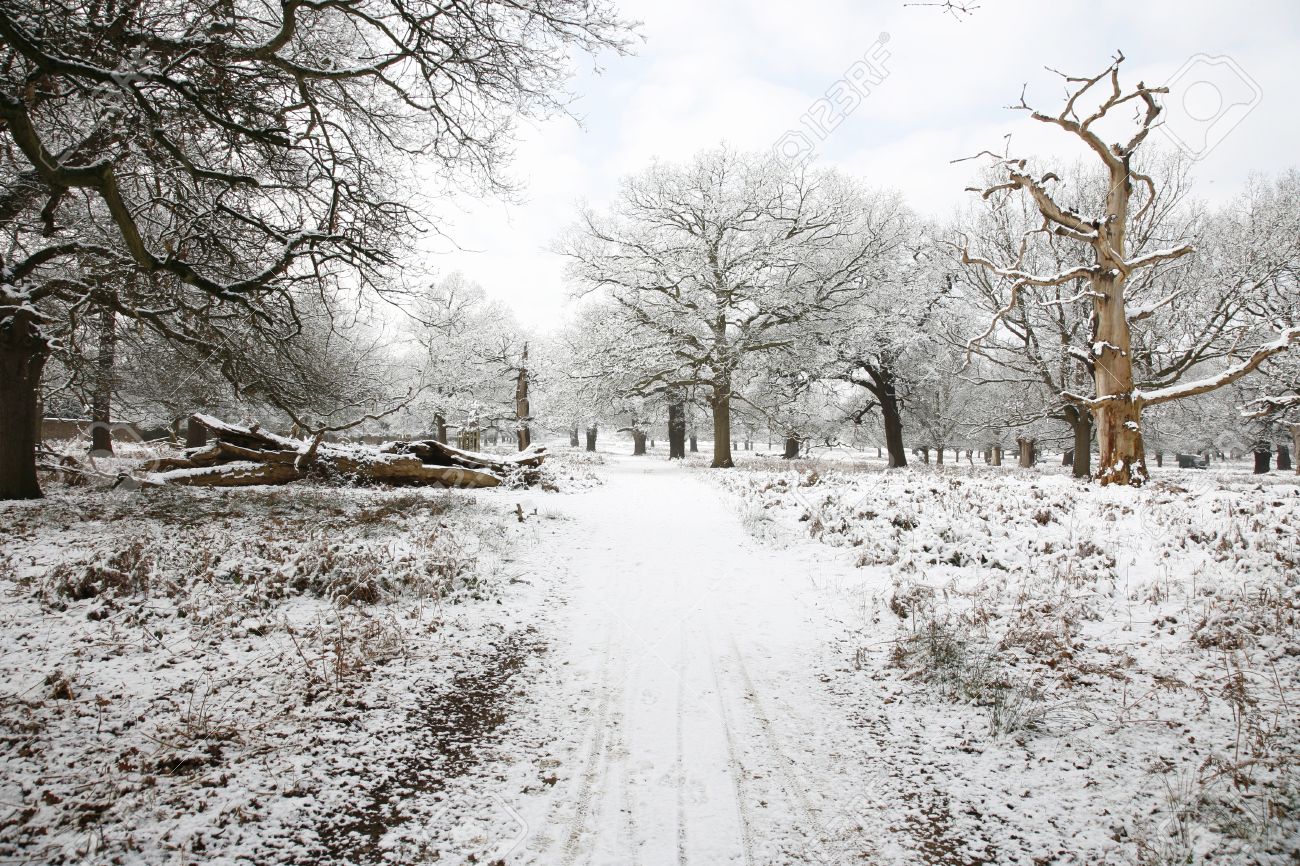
(722, 258)
(1116, 402)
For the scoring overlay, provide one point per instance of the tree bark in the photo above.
(1160, 458)
(101, 401)
(638, 443)
(22, 359)
(573, 438)
(925, 454)
(1026, 452)
(721, 405)
(1283, 457)
(1080, 421)
(591, 438)
(938, 455)
(892, 418)
(995, 457)
(522, 409)
(677, 431)
(1118, 418)
(1263, 459)
(695, 444)
(1295, 445)
(440, 428)
(791, 448)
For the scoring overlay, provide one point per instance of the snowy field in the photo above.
(817, 662)
(1065, 672)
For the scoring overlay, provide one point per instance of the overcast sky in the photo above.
(709, 71)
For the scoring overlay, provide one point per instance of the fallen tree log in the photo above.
(434, 452)
(243, 473)
(243, 456)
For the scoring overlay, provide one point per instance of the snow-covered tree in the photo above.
(1111, 271)
(472, 359)
(239, 155)
(721, 258)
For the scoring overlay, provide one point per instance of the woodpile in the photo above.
(235, 456)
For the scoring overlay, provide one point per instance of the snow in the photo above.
(825, 663)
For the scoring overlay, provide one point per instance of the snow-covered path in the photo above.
(690, 655)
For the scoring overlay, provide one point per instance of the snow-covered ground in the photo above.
(1060, 672)
(819, 663)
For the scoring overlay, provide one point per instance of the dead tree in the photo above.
(101, 403)
(522, 411)
(1116, 404)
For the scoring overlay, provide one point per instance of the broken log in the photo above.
(435, 452)
(244, 456)
(243, 473)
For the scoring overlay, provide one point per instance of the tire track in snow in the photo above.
(764, 723)
(596, 765)
(734, 764)
(666, 772)
(680, 769)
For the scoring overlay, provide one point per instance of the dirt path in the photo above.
(691, 655)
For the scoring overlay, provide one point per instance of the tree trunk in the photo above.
(1283, 457)
(893, 420)
(573, 438)
(440, 428)
(925, 454)
(677, 431)
(1067, 459)
(638, 443)
(1160, 458)
(1081, 426)
(522, 410)
(995, 459)
(591, 438)
(695, 444)
(721, 404)
(1295, 445)
(1118, 418)
(791, 448)
(1026, 452)
(938, 455)
(22, 358)
(101, 401)
(1263, 459)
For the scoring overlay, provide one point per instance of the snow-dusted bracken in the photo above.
(1074, 674)
(269, 675)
